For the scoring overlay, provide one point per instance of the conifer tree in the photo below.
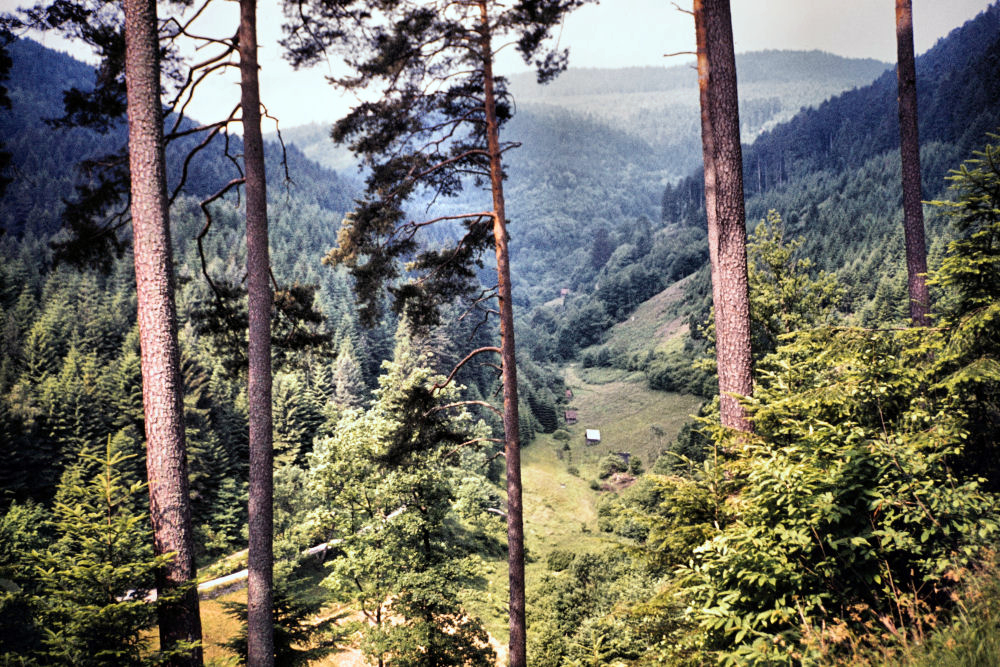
(724, 206)
(260, 630)
(383, 485)
(909, 147)
(94, 578)
(180, 623)
(435, 126)
(348, 383)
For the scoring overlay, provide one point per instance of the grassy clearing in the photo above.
(560, 508)
(631, 417)
(217, 627)
(654, 324)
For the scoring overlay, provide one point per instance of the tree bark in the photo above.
(515, 524)
(725, 207)
(909, 147)
(162, 388)
(260, 621)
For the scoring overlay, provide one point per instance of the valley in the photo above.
(868, 488)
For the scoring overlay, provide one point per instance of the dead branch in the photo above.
(215, 129)
(471, 442)
(281, 141)
(682, 10)
(459, 365)
(208, 223)
(459, 404)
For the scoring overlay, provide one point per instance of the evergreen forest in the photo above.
(855, 522)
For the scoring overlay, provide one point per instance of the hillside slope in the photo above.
(660, 104)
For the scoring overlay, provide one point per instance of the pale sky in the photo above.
(615, 33)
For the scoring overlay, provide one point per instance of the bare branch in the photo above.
(216, 128)
(459, 365)
(204, 230)
(682, 10)
(471, 442)
(281, 140)
(459, 404)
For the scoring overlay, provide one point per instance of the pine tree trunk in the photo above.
(260, 625)
(162, 388)
(724, 206)
(909, 147)
(512, 452)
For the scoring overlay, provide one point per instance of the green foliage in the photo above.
(299, 638)
(587, 613)
(784, 295)
(559, 559)
(611, 464)
(94, 578)
(970, 273)
(23, 531)
(661, 519)
(384, 487)
(850, 508)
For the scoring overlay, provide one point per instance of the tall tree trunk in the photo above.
(724, 206)
(909, 147)
(162, 388)
(512, 451)
(260, 623)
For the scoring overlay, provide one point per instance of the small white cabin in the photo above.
(593, 436)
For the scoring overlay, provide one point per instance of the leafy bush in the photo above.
(559, 559)
(850, 510)
(611, 464)
(635, 466)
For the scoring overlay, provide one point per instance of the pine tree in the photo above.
(720, 133)
(179, 622)
(260, 300)
(909, 147)
(436, 123)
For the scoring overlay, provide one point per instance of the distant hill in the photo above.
(45, 158)
(833, 171)
(660, 104)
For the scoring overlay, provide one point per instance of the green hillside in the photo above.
(660, 104)
(856, 525)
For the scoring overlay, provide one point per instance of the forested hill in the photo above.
(660, 104)
(45, 157)
(833, 171)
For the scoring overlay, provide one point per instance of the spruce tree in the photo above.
(348, 384)
(94, 579)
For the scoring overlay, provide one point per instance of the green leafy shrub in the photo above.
(559, 559)
(611, 464)
(850, 510)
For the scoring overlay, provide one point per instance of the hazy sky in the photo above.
(615, 33)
